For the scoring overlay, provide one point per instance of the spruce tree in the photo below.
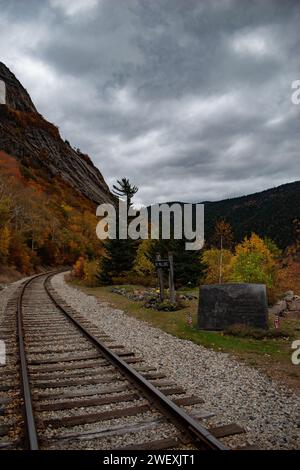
(120, 254)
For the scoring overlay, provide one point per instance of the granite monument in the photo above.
(222, 305)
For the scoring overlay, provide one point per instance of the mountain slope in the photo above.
(268, 213)
(48, 190)
(37, 144)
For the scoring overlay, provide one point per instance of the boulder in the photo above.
(294, 305)
(279, 308)
(288, 296)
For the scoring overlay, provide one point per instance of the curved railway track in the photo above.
(67, 385)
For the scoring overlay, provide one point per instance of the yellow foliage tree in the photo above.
(214, 270)
(253, 262)
(142, 264)
(222, 239)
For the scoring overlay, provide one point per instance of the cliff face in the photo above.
(37, 144)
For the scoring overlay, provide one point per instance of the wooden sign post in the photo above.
(165, 264)
(158, 265)
(171, 279)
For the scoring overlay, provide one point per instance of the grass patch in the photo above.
(245, 331)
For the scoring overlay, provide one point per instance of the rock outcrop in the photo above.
(37, 144)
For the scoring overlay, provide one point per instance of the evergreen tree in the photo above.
(124, 189)
(188, 266)
(119, 254)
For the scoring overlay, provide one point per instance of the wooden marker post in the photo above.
(160, 277)
(165, 264)
(171, 279)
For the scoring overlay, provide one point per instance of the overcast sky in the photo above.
(190, 99)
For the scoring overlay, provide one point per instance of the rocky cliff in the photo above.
(37, 144)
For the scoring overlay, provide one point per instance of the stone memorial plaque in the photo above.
(2, 92)
(221, 305)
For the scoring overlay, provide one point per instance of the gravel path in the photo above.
(6, 293)
(233, 391)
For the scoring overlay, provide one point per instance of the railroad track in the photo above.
(68, 385)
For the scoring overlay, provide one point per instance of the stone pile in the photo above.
(136, 295)
(290, 303)
(188, 297)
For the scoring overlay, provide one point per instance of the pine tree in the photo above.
(119, 254)
(188, 266)
(124, 189)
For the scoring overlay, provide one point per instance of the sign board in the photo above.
(162, 263)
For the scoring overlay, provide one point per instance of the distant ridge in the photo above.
(269, 213)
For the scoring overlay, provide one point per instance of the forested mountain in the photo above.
(268, 213)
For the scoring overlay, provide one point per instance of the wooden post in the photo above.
(160, 279)
(171, 279)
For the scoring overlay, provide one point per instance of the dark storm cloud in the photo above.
(191, 100)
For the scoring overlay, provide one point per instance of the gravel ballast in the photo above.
(234, 392)
(6, 293)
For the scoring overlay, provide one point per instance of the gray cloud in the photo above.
(191, 103)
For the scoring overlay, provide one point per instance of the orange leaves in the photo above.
(19, 255)
(43, 221)
(4, 242)
(78, 268)
(294, 250)
(9, 166)
(252, 261)
(289, 277)
(253, 244)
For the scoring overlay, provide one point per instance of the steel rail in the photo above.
(201, 436)
(31, 434)
(30, 425)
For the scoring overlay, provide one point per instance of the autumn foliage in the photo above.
(42, 222)
(253, 262)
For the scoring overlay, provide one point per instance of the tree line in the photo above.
(254, 259)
